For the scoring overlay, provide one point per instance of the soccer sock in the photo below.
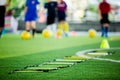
(106, 31)
(54, 27)
(66, 27)
(33, 31)
(49, 27)
(103, 31)
(60, 26)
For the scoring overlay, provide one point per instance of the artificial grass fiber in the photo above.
(16, 53)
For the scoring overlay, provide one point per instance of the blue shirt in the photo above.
(31, 5)
(31, 13)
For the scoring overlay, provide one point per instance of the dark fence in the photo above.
(114, 26)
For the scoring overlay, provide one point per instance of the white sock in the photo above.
(49, 27)
(54, 27)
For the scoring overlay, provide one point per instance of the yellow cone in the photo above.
(104, 44)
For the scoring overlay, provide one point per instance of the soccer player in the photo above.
(3, 4)
(31, 15)
(62, 24)
(51, 7)
(104, 10)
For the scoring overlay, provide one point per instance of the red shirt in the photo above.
(104, 7)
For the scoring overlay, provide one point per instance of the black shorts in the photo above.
(104, 19)
(51, 18)
(2, 16)
(61, 16)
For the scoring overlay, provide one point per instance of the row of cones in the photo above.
(104, 44)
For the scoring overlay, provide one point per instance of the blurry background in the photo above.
(81, 14)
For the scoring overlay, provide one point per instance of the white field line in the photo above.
(87, 51)
(111, 60)
(81, 53)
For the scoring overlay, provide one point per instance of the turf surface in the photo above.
(16, 53)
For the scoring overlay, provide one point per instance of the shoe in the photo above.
(102, 35)
(106, 36)
(65, 34)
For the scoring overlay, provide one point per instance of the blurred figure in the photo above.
(3, 4)
(62, 24)
(31, 15)
(12, 21)
(42, 15)
(10, 12)
(104, 10)
(51, 14)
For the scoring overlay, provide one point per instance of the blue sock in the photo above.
(106, 31)
(103, 31)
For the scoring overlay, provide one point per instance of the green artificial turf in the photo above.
(114, 56)
(16, 53)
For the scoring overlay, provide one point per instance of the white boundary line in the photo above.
(81, 53)
(111, 60)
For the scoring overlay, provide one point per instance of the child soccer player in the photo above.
(3, 4)
(51, 14)
(104, 10)
(62, 24)
(31, 15)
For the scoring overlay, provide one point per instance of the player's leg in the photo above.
(106, 26)
(50, 21)
(0, 32)
(65, 24)
(102, 30)
(27, 25)
(60, 25)
(60, 21)
(54, 27)
(2, 19)
(49, 27)
(65, 28)
(33, 24)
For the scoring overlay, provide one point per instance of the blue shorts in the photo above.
(30, 16)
